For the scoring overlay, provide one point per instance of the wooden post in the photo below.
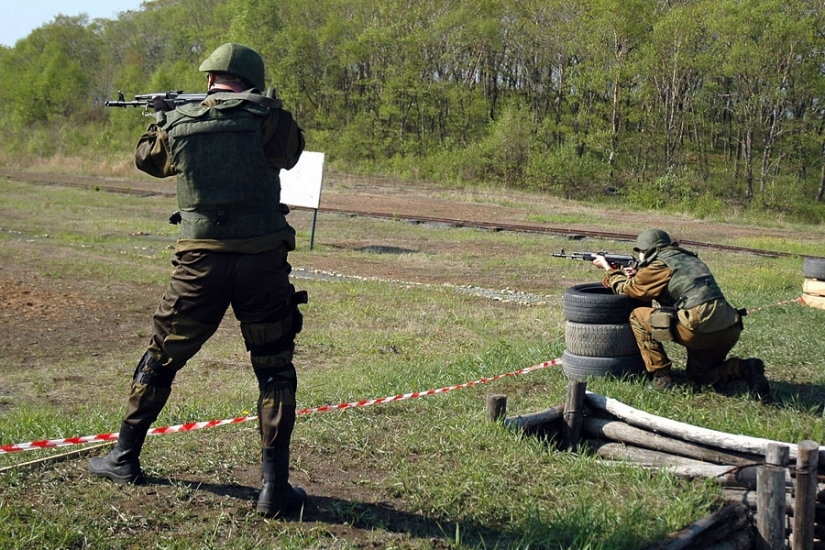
(777, 454)
(802, 536)
(770, 498)
(573, 414)
(496, 407)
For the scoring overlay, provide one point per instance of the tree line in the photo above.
(694, 104)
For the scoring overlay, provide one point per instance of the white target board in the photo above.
(301, 186)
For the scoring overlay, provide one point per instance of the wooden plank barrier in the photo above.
(776, 480)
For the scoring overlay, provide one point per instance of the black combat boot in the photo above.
(753, 371)
(122, 464)
(278, 497)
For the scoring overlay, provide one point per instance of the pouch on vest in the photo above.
(661, 324)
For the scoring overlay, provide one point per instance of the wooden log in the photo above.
(573, 414)
(620, 431)
(737, 476)
(496, 407)
(720, 525)
(749, 498)
(687, 432)
(648, 457)
(535, 420)
(802, 537)
(742, 496)
(740, 540)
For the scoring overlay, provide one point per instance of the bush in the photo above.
(563, 171)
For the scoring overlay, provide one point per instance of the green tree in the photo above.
(53, 72)
(673, 77)
(758, 44)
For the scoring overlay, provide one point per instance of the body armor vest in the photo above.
(225, 188)
(691, 282)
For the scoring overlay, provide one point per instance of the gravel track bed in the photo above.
(505, 295)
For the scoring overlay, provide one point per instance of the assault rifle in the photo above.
(168, 101)
(157, 101)
(616, 260)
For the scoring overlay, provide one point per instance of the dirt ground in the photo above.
(66, 313)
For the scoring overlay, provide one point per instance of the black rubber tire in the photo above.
(579, 367)
(595, 304)
(814, 268)
(603, 340)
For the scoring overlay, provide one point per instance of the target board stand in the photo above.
(301, 186)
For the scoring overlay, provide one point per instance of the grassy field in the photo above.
(81, 272)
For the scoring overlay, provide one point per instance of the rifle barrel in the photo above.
(158, 101)
(620, 259)
(113, 103)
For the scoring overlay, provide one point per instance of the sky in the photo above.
(18, 18)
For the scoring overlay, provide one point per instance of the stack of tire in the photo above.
(813, 289)
(598, 337)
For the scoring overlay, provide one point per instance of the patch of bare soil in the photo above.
(39, 317)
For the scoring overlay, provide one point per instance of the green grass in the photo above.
(457, 480)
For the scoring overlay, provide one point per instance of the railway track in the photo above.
(527, 228)
(136, 188)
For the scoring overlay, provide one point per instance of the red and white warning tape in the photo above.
(413, 395)
(52, 443)
(784, 303)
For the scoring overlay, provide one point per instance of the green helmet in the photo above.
(237, 60)
(651, 239)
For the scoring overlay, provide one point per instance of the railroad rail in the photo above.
(527, 228)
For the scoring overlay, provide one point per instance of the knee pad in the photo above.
(151, 372)
(271, 342)
(276, 379)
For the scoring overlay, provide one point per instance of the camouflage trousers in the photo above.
(707, 361)
(202, 288)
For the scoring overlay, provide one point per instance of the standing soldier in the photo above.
(226, 154)
(686, 307)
